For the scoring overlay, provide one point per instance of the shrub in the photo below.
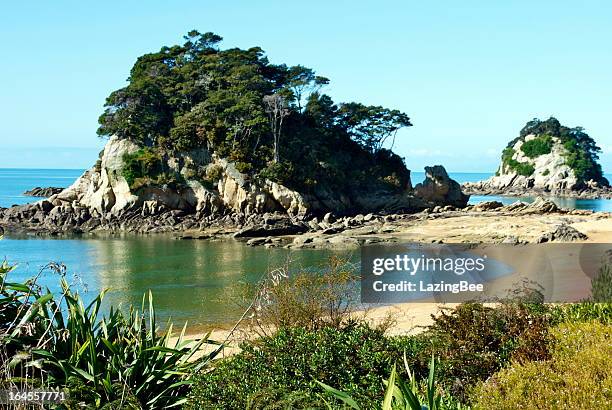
(280, 172)
(400, 395)
(546, 172)
(521, 168)
(583, 312)
(577, 375)
(355, 359)
(474, 341)
(507, 154)
(538, 146)
(144, 163)
(244, 167)
(581, 161)
(601, 285)
(214, 173)
(307, 299)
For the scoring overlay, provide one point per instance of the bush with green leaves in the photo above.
(109, 360)
(577, 376)
(521, 168)
(304, 298)
(287, 366)
(583, 312)
(535, 147)
(144, 163)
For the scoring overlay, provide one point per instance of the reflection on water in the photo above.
(190, 280)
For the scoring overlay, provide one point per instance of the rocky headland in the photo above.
(547, 159)
(102, 199)
(207, 138)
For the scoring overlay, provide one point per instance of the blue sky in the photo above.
(468, 73)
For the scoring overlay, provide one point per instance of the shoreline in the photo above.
(481, 189)
(488, 221)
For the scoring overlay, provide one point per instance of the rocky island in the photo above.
(203, 137)
(548, 159)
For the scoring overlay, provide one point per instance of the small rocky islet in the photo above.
(547, 159)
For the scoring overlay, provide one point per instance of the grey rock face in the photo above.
(279, 227)
(487, 206)
(563, 233)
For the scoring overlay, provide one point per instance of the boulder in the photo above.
(542, 205)
(563, 233)
(439, 189)
(487, 206)
(329, 218)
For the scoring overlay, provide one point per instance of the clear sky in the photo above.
(469, 73)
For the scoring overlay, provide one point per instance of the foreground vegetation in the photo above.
(308, 349)
(114, 361)
(472, 345)
(577, 374)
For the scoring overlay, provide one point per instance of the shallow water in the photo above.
(191, 280)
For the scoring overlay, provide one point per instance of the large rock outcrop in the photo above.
(210, 189)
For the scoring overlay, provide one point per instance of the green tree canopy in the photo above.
(236, 103)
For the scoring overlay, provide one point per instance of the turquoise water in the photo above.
(14, 182)
(191, 280)
(194, 281)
